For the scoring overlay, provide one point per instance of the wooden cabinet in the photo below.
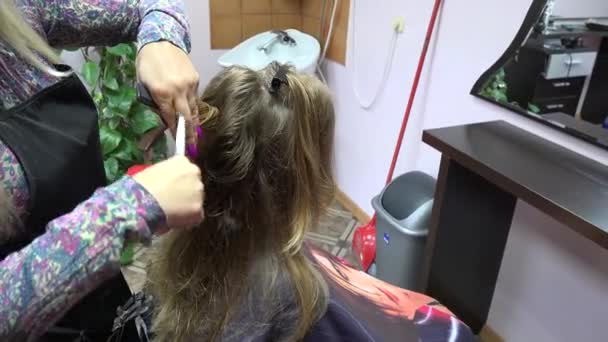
(595, 106)
(560, 80)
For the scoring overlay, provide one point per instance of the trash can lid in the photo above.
(420, 219)
(407, 193)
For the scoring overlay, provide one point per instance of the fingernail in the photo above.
(199, 131)
(192, 151)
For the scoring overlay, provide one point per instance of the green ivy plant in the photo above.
(496, 89)
(110, 74)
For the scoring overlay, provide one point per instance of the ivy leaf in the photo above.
(110, 140)
(128, 254)
(128, 69)
(123, 100)
(533, 108)
(90, 73)
(110, 82)
(501, 73)
(121, 50)
(128, 95)
(132, 53)
(111, 167)
(107, 114)
(113, 123)
(127, 152)
(122, 153)
(144, 120)
(159, 149)
(120, 105)
(114, 101)
(138, 156)
(97, 98)
(110, 72)
(499, 96)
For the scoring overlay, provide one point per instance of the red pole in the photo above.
(410, 103)
(364, 243)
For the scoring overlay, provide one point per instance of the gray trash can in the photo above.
(403, 213)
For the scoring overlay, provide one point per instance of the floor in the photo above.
(334, 234)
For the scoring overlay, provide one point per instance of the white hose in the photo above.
(331, 29)
(367, 104)
(327, 39)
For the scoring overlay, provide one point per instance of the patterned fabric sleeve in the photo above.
(75, 23)
(79, 250)
(13, 181)
(163, 20)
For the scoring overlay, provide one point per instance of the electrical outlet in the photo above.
(399, 24)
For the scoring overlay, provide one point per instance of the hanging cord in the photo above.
(367, 104)
(328, 38)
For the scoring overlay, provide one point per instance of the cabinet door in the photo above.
(595, 108)
(567, 65)
(559, 87)
(563, 105)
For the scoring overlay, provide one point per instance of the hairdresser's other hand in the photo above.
(172, 80)
(177, 187)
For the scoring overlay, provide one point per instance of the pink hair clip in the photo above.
(192, 148)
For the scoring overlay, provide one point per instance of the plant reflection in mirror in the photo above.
(496, 88)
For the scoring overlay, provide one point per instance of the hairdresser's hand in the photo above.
(172, 80)
(177, 187)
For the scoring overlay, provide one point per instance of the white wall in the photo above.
(553, 285)
(365, 139)
(202, 56)
(581, 8)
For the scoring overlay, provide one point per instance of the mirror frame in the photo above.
(534, 14)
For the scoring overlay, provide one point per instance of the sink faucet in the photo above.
(281, 37)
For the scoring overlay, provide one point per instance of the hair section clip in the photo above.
(279, 78)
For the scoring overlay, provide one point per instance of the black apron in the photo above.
(55, 136)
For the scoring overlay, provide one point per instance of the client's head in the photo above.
(266, 159)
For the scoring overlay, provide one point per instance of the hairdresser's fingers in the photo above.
(182, 106)
(178, 189)
(193, 122)
(199, 204)
(168, 73)
(168, 113)
(198, 212)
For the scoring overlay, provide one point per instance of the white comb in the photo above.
(180, 136)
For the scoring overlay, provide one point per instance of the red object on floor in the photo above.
(367, 233)
(135, 169)
(364, 244)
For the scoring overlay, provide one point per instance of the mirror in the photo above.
(556, 69)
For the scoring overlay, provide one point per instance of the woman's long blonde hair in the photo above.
(21, 37)
(266, 159)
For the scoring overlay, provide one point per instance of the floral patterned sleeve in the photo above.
(13, 181)
(79, 250)
(75, 23)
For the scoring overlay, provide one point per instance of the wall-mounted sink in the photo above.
(301, 50)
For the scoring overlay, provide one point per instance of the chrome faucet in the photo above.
(281, 37)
